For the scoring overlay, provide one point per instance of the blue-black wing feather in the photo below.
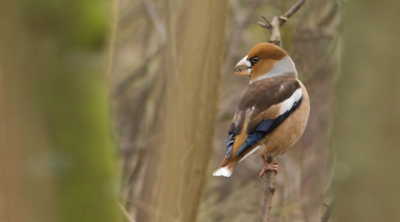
(229, 145)
(265, 127)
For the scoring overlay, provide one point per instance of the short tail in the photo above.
(226, 170)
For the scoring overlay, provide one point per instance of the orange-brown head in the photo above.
(266, 60)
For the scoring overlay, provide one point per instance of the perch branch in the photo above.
(278, 21)
(274, 28)
(269, 191)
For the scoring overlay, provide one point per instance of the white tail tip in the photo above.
(223, 171)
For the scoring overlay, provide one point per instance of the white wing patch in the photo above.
(288, 104)
(249, 153)
(237, 118)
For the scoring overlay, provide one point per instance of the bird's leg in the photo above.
(272, 166)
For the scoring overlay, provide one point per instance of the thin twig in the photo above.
(139, 72)
(294, 9)
(126, 213)
(160, 26)
(269, 24)
(278, 21)
(144, 121)
(328, 211)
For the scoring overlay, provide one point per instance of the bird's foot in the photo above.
(272, 166)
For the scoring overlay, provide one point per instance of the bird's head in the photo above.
(266, 60)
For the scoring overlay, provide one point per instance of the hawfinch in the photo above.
(272, 113)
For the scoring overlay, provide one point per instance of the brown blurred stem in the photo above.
(160, 26)
(277, 22)
(328, 211)
(274, 28)
(112, 38)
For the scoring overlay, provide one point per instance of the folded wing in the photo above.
(263, 107)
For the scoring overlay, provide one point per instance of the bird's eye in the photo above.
(255, 59)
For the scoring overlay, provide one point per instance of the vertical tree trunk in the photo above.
(56, 156)
(195, 46)
(368, 124)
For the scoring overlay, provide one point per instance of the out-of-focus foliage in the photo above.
(57, 161)
(71, 24)
(310, 37)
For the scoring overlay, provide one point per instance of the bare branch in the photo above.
(126, 213)
(269, 191)
(277, 22)
(266, 20)
(275, 32)
(139, 72)
(294, 9)
(328, 211)
(160, 26)
(264, 25)
(267, 25)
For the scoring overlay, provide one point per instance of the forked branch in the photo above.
(278, 21)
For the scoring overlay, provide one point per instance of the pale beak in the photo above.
(243, 67)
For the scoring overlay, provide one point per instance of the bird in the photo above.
(272, 113)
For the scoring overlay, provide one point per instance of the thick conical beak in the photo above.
(243, 67)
